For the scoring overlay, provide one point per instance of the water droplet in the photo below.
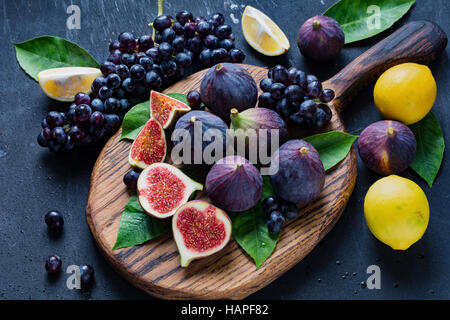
(395, 285)
(319, 280)
(344, 277)
(363, 284)
(338, 262)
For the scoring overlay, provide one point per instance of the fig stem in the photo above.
(219, 67)
(390, 131)
(234, 112)
(193, 119)
(304, 150)
(316, 25)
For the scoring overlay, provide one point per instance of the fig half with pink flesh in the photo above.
(200, 230)
(387, 147)
(166, 109)
(163, 188)
(234, 184)
(149, 146)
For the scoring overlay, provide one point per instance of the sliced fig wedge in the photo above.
(162, 189)
(200, 230)
(149, 146)
(166, 109)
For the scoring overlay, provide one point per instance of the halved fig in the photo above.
(149, 146)
(200, 230)
(162, 189)
(166, 109)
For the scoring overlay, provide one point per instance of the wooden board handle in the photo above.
(418, 41)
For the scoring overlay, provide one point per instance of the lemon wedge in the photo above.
(262, 34)
(62, 84)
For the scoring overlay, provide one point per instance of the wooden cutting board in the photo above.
(231, 273)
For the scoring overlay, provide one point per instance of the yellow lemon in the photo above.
(396, 211)
(63, 84)
(262, 34)
(405, 92)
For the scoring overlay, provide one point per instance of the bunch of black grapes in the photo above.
(134, 67)
(297, 96)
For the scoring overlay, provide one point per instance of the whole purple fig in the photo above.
(387, 147)
(234, 184)
(298, 175)
(226, 86)
(320, 38)
(263, 123)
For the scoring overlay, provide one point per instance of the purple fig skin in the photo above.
(226, 86)
(234, 184)
(320, 38)
(300, 176)
(387, 147)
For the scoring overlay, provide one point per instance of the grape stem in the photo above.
(160, 12)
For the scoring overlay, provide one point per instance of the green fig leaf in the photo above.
(250, 230)
(333, 146)
(362, 19)
(430, 148)
(47, 52)
(137, 227)
(137, 117)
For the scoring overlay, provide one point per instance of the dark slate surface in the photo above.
(34, 181)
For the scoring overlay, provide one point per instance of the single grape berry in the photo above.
(53, 264)
(280, 74)
(127, 41)
(294, 93)
(178, 44)
(154, 54)
(86, 275)
(184, 16)
(219, 55)
(97, 105)
(137, 72)
(41, 140)
(189, 29)
(112, 121)
(165, 50)
(275, 222)
(183, 59)
(98, 83)
(283, 108)
(83, 112)
(96, 119)
(107, 67)
(130, 179)
(301, 121)
(153, 80)
(277, 90)
(146, 62)
(125, 105)
(308, 108)
(162, 22)
(227, 44)
(128, 85)
(194, 99)
(311, 78)
(169, 68)
(211, 42)
(122, 71)
(114, 45)
(314, 89)
(217, 19)
(300, 79)
(223, 31)
(59, 135)
(327, 95)
(82, 98)
(270, 204)
(47, 133)
(54, 221)
(194, 44)
(204, 28)
(128, 59)
(105, 92)
(167, 35)
(289, 210)
(265, 84)
(54, 119)
(113, 81)
(266, 101)
(145, 42)
(112, 105)
(205, 57)
(236, 55)
(76, 134)
(178, 28)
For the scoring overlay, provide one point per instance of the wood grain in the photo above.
(231, 274)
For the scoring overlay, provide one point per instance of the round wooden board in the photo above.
(229, 274)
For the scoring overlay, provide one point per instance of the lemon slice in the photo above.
(62, 84)
(262, 34)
